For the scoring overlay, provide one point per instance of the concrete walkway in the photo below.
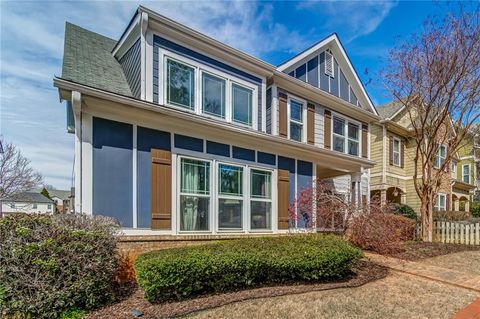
(443, 275)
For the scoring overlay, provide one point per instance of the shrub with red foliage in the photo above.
(380, 232)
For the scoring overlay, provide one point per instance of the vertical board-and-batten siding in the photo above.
(159, 42)
(130, 63)
(312, 71)
(268, 115)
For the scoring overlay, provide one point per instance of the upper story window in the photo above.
(296, 120)
(396, 151)
(346, 143)
(454, 167)
(441, 156)
(180, 84)
(205, 90)
(466, 173)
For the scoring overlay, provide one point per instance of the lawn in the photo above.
(396, 296)
(418, 250)
(466, 261)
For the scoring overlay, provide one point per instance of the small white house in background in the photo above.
(61, 199)
(28, 202)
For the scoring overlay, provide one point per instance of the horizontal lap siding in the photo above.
(376, 147)
(319, 126)
(130, 63)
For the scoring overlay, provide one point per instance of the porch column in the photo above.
(383, 197)
(356, 189)
(456, 205)
(467, 206)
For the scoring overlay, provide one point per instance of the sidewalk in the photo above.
(447, 276)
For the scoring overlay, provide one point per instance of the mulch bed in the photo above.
(418, 250)
(364, 272)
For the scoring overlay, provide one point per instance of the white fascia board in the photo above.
(119, 49)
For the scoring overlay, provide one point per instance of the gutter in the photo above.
(150, 106)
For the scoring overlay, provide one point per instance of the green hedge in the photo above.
(52, 264)
(222, 266)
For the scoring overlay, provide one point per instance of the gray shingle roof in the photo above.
(64, 195)
(388, 110)
(87, 60)
(30, 197)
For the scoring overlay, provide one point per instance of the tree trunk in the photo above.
(427, 219)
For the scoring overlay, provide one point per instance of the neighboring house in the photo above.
(393, 149)
(177, 133)
(62, 200)
(466, 170)
(28, 202)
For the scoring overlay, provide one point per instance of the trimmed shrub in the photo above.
(405, 210)
(450, 215)
(383, 233)
(475, 209)
(222, 266)
(51, 264)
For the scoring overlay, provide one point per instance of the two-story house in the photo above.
(177, 133)
(393, 149)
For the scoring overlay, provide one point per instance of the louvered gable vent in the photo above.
(329, 64)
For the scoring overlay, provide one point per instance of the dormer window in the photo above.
(329, 70)
(180, 84)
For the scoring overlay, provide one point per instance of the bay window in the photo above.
(180, 84)
(260, 199)
(230, 196)
(194, 195)
(296, 120)
(242, 104)
(213, 95)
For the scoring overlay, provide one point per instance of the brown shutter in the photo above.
(365, 140)
(311, 123)
(402, 153)
(283, 194)
(161, 189)
(447, 202)
(282, 118)
(390, 148)
(328, 130)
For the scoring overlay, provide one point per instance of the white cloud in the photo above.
(351, 18)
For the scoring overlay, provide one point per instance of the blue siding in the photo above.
(334, 81)
(301, 72)
(243, 153)
(343, 87)
(112, 170)
(266, 158)
(146, 140)
(312, 71)
(188, 143)
(218, 149)
(268, 116)
(130, 63)
(324, 79)
(304, 181)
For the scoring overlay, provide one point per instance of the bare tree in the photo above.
(435, 75)
(16, 174)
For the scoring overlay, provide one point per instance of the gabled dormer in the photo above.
(326, 66)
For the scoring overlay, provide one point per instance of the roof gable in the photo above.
(310, 66)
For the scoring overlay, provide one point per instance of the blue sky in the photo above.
(31, 50)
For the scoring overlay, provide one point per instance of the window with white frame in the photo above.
(346, 136)
(49, 206)
(454, 167)
(296, 120)
(396, 151)
(209, 91)
(242, 104)
(34, 206)
(260, 199)
(180, 84)
(440, 202)
(466, 173)
(243, 196)
(195, 195)
(441, 156)
(213, 95)
(230, 196)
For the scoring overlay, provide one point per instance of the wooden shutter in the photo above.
(402, 154)
(365, 140)
(327, 130)
(282, 118)
(161, 189)
(390, 149)
(283, 195)
(310, 123)
(447, 202)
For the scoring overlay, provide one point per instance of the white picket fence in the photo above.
(456, 232)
